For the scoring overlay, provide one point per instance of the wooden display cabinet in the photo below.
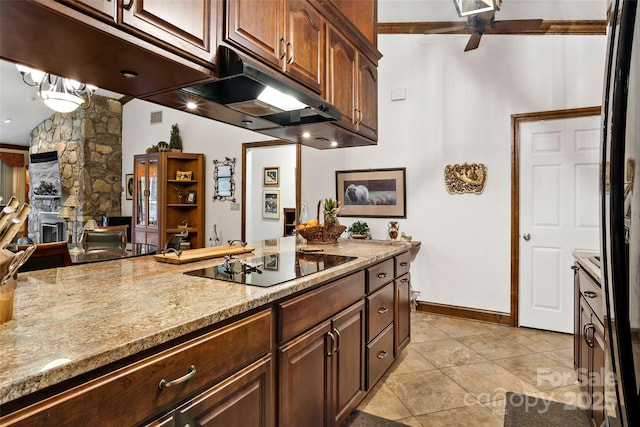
(163, 203)
(289, 222)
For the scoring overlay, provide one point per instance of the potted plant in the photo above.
(331, 209)
(175, 141)
(359, 230)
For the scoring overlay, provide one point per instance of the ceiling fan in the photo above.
(481, 16)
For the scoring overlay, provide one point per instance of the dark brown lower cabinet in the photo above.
(244, 399)
(322, 371)
(402, 313)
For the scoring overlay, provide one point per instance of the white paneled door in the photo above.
(559, 213)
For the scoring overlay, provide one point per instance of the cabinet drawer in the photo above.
(592, 294)
(379, 310)
(379, 275)
(301, 313)
(402, 262)
(379, 356)
(136, 386)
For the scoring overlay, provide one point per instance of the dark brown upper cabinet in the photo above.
(286, 34)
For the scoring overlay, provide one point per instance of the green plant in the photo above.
(359, 227)
(331, 207)
(175, 141)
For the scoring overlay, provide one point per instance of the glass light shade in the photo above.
(72, 201)
(60, 101)
(90, 225)
(65, 212)
(280, 100)
(473, 7)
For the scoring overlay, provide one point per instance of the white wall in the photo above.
(216, 140)
(458, 109)
(284, 157)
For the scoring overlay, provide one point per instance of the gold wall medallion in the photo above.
(466, 178)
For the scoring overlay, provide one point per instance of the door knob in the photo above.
(526, 236)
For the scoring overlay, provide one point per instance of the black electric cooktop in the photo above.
(271, 270)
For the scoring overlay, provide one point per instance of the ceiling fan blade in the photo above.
(447, 29)
(474, 42)
(517, 24)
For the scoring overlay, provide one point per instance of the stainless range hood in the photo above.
(245, 87)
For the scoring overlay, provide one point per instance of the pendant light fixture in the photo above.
(61, 94)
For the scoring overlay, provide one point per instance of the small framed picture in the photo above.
(184, 175)
(271, 176)
(271, 204)
(271, 262)
(128, 186)
(191, 197)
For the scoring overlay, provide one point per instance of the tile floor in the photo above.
(456, 372)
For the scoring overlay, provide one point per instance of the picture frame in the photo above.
(271, 176)
(191, 197)
(271, 262)
(184, 175)
(372, 193)
(128, 186)
(271, 243)
(271, 204)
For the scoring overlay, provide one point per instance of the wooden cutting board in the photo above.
(192, 255)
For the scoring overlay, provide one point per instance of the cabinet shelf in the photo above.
(156, 172)
(182, 181)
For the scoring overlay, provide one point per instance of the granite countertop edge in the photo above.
(21, 375)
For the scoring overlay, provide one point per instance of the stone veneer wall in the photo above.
(89, 146)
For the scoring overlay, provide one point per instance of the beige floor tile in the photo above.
(497, 406)
(428, 391)
(538, 340)
(447, 353)
(539, 370)
(384, 403)
(456, 328)
(410, 361)
(564, 356)
(411, 421)
(422, 330)
(477, 416)
(571, 395)
(495, 346)
(487, 381)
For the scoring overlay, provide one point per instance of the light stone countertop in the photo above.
(71, 320)
(583, 257)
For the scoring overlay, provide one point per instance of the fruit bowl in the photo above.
(320, 234)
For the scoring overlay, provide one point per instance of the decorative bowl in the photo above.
(320, 234)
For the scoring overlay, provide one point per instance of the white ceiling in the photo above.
(20, 104)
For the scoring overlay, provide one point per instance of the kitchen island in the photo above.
(75, 325)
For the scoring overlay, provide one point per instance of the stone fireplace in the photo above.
(51, 227)
(89, 146)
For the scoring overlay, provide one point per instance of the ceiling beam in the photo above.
(582, 27)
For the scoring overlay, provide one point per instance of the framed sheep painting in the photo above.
(372, 193)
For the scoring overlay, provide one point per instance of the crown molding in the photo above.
(583, 27)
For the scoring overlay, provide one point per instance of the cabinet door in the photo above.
(403, 313)
(244, 399)
(304, 380)
(348, 362)
(341, 77)
(188, 25)
(367, 114)
(586, 335)
(255, 26)
(101, 9)
(304, 42)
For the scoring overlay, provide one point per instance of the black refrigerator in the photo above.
(620, 202)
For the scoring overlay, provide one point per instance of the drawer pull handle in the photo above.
(405, 280)
(166, 384)
(382, 354)
(332, 345)
(128, 5)
(590, 294)
(575, 268)
(382, 275)
(404, 264)
(383, 310)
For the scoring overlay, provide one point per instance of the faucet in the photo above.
(231, 242)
